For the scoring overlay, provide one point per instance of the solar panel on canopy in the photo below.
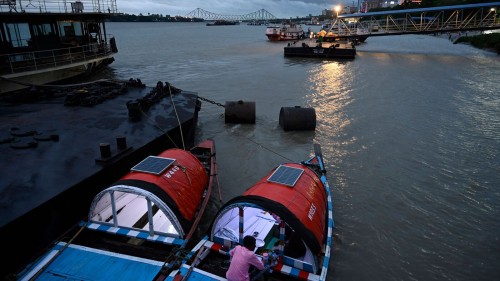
(153, 165)
(286, 175)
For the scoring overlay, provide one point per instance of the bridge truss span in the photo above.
(483, 16)
(261, 14)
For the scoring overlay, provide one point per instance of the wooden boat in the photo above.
(51, 42)
(289, 212)
(325, 50)
(137, 225)
(285, 31)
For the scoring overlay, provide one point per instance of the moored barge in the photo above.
(325, 50)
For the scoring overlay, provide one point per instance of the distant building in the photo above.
(328, 13)
(389, 4)
(345, 10)
(369, 4)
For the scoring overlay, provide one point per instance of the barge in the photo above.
(325, 50)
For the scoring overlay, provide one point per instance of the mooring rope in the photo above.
(177, 116)
(42, 269)
(158, 127)
(264, 147)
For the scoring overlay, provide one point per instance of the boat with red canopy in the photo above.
(288, 211)
(137, 227)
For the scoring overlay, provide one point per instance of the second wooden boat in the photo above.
(288, 211)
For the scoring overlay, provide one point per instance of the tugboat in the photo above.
(48, 42)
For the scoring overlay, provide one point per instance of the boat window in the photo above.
(69, 31)
(42, 29)
(161, 222)
(19, 34)
(133, 211)
(130, 210)
(256, 222)
(102, 210)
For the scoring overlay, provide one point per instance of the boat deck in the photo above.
(58, 152)
(311, 48)
(118, 266)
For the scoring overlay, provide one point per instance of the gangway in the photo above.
(482, 16)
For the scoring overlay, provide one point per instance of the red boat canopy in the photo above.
(160, 194)
(292, 192)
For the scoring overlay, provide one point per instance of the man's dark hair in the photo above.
(249, 242)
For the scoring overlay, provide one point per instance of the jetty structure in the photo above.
(61, 146)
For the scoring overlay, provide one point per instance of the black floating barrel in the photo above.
(240, 112)
(297, 119)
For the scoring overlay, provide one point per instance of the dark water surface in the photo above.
(410, 131)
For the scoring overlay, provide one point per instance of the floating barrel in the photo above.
(240, 112)
(297, 118)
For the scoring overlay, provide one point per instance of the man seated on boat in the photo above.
(242, 257)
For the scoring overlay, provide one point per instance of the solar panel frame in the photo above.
(153, 165)
(286, 175)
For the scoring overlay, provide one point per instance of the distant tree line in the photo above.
(151, 18)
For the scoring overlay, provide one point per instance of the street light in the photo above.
(337, 9)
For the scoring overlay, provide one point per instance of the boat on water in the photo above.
(285, 31)
(139, 225)
(50, 41)
(223, 22)
(288, 211)
(331, 49)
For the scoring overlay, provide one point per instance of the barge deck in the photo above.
(327, 50)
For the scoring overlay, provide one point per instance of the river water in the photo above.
(410, 132)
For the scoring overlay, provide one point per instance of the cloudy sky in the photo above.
(279, 8)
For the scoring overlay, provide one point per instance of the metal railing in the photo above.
(39, 60)
(481, 16)
(59, 6)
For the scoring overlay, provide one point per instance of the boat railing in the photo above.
(39, 60)
(58, 6)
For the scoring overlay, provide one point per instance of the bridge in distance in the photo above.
(261, 15)
(482, 16)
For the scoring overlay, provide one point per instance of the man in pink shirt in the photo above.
(242, 257)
